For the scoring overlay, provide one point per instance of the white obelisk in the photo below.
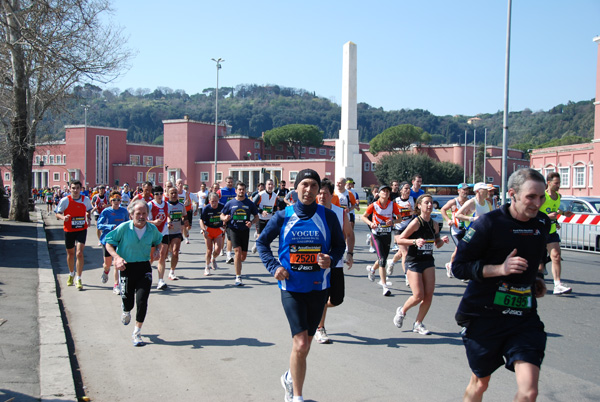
(348, 160)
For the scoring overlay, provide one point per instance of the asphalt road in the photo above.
(209, 340)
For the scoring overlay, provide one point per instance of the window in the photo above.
(148, 160)
(219, 177)
(256, 156)
(267, 156)
(267, 147)
(160, 179)
(152, 177)
(332, 152)
(279, 147)
(56, 176)
(51, 159)
(58, 159)
(580, 207)
(373, 166)
(204, 176)
(160, 160)
(66, 176)
(564, 177)
(548, 170)
(37, 159)
(322, 151)
(45, 159)
(312, 151)
(367, 166)
(64, 159)
(579, 176)
(303, 150)
(278, 156)
(134, 159)
(293, 175)
(591, 176)
(140, 177)
(6, 177)
(256, 145)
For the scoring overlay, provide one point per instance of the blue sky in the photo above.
(441, 55)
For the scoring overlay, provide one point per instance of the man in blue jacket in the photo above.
(310, 242)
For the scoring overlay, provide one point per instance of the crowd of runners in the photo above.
(315, 223)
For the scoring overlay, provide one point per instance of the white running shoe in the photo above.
(206, 271)
(386, 291)
(238, 281)
(137, 339)
(406, 278)
(161, 285)
(449, 270)
(287, 385)
(370, 273)
(395, 248)
(117, 289)
(387, 283)
(254, 249)
(399, 317)
(104, 277)
(229, 260)
(214, 265)
(321, 336)
(371, 249)
(222, 253)
(126, 317)
(173, 277)
(561, 289)
(187, 240)
(419, 328)
(389, 268)
(368, 239)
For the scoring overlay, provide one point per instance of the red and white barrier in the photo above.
(584, 219)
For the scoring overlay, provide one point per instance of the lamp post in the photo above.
(465, 160)
(85, 110)
(218, 62)
(505, 117)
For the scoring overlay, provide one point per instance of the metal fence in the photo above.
(580, 237)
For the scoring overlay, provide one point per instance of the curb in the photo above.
(56, 376)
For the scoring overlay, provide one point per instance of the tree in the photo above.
(294, 136)
(47, 47)
(403, 166)
(397, 138)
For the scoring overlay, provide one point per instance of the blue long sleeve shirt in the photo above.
(109, 219)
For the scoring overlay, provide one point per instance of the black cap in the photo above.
(384, 187)
(307, 174)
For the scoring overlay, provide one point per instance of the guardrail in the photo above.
(580, 232)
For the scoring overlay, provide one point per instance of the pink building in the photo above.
(575, 163)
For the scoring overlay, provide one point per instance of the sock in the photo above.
(77, 277)
(172, 272)
(137, 330)
(556, 283)
(72, 273)
(298, 399)
(229, 254)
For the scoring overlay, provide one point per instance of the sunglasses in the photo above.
(158, 193)
(115, 199)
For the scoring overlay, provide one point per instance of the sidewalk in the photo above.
(34, 360)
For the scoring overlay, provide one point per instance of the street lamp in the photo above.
(505, 115)
(218, 61)
(85, 108)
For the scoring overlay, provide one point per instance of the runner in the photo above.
(266, 203)
(551, 207)
(184, 198)
(281, 193)
(213, 231)
(130, 244)
(158, 210)
(146, 193)
(176, 218)
(236, 214)
(99, 202)
(477, 206)
(202, 195)
(457, 226)
(227, 193)
(125, 195)
(371, 199)
(336, 288)
(74, 210)
(109, 219)
(500, 255)
(302, 272)
(342, 196)
(49, 197)
(350, 188)
(416, 191)
(420, 236)
(382, 214)
(406, 207)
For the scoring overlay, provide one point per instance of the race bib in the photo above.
(78, 222)
(427, 248)
(384, 229)
(176, 216)
(267, 209)
(515, 298)
(303, 257)
(239, 216)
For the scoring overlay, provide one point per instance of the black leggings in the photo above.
(381, 242)
(136, 281)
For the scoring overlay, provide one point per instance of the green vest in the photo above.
(550, 206)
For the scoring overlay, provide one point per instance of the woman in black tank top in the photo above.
(421, 235)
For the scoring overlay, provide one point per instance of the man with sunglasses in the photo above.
(108, 220)
(158, 217)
